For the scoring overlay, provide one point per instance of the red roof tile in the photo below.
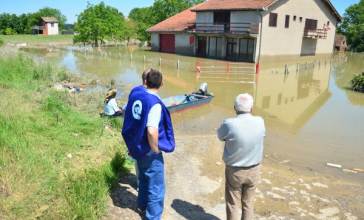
(233, 5)
(176, 23)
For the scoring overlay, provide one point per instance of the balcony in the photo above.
(315, 33)
(228, 28)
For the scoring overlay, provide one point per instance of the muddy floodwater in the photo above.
(311, 117)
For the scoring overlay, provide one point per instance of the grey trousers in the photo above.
(240, 185)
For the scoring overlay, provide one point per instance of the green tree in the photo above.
(130, 30)
(142, 18)
(98, 23)
(352, 26)
(159, 11)
(35, 18)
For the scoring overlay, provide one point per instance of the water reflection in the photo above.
(292, 93)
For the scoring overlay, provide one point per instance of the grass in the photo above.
(357, 83)
(56, 162)
(37, 39)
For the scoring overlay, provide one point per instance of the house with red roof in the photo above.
(245, 30)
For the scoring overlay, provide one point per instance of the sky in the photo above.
(71, 8)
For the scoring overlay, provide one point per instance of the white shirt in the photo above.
(111, 107)
(154, 115)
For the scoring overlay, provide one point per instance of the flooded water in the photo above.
(311, 118)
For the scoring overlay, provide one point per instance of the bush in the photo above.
(357, 83)
(9, 31)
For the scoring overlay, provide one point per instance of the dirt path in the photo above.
(195, 187)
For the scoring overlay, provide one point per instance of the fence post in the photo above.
(160, 61)
(178, 64)
(144, 58)
(257, 68)
(286, 69)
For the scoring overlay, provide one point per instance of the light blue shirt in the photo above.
(111, 107)
(244, 137)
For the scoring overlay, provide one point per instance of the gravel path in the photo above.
(195, 184)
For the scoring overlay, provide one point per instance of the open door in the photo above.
(201, 46)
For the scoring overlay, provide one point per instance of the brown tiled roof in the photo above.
(211, 5)
(49, 19)
(176, 23)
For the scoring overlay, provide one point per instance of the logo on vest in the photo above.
(137, 109)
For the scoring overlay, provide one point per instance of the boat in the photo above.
(182, 102)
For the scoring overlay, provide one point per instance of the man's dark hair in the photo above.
(154, 79)
(145, 74)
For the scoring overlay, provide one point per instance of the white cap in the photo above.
(244, 103)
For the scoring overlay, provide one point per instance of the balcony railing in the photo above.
(315, 33)
(228, 28)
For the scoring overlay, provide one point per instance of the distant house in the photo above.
(47, 26)
(244, 30)
(340, 43)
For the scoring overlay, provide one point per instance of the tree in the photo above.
(159, 11)
(98, 23)
(352, 26)
(130, 30)
(35, 18)
(142, 17)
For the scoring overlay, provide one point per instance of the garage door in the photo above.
(167, 43)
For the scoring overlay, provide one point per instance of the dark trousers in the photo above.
(151, 185)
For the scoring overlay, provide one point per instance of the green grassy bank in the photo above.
(56, 162)
(37, 39)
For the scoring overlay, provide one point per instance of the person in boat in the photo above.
(203, 90)
(243, 153)
(111, 107)
(147, 132)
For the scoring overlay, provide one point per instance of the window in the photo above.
(221, 17)
(52, 24)
(328, 23)
(294, 18)
(301, 19)
(273, 19)
(286, 24)
(215, 47)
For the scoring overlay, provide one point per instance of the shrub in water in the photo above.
(357, 83)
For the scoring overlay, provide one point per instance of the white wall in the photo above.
(288, 41)
(244, 16)
(155, 41)
(183, 45)
(52, 30)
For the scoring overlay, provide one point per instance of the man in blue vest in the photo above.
(147, 132)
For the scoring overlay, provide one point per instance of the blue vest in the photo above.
(135, 124)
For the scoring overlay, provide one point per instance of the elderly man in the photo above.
(243, 136)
